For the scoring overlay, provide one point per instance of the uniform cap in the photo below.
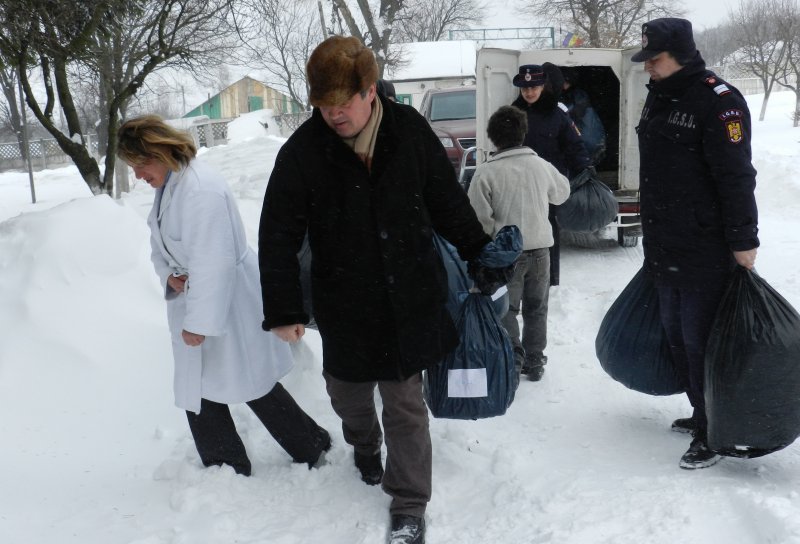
(530, 75)
(666, 34)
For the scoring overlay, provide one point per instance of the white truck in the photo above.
(616, 87)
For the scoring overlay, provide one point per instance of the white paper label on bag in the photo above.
(467, 383)
(500, 292)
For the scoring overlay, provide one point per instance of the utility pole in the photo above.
(25, 137)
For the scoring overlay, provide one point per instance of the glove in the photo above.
(488, 280)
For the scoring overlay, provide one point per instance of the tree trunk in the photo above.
(796, 107)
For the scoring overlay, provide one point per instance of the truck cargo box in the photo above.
(616, 88)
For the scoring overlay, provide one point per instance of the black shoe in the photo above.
(407, 530)
(698, 455)
(535, 373)
(684, 425)
(324, 438)
(519, 360)
(534, 367)
(370, 467)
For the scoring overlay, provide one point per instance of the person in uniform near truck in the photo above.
(551, 133)
(699, 214)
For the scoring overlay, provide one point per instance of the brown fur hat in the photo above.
(339, 68)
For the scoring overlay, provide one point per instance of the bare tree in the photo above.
(280, 37)
(122, 42)
(788, 16)
(374, 29)
(760, 47)
(9, 110)
(429, 20)
(603, 23)
(718, 44)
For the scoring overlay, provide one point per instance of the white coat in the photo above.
(198, 231)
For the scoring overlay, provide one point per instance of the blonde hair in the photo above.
(148, 137)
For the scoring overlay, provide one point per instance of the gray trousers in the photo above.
(408, 474)
(529, 290)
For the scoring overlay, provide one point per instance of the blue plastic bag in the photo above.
(304, 257)
(631, 344)
(459, 282)
(752, 370)
(478, 379)
(593, 133)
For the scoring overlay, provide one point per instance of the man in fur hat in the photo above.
(370, 182)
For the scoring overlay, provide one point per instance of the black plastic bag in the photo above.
(631, 344)
(752, 370)
(478, 379)
(591, 204)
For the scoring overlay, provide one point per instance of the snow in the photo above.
(94, 452)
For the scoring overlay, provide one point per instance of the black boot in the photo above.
(535, 366)
(407, 530)
(370, 467)
(685, 425)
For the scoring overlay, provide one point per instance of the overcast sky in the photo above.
(702, 13)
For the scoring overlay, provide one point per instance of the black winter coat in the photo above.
(379, 289)
(552, 134)
(696, 178)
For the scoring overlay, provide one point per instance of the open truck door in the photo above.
(616, 88)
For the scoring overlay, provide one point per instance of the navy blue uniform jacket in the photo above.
(696, 178)
(552, 134)
(378, 287)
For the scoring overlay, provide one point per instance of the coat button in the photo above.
(384, 235)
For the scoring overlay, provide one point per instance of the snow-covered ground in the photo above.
(94, 452)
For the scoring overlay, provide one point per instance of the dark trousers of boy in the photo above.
(408, 473)
(688, 316)
(528, 291)
(218, 442)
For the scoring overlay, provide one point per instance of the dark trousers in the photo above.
(529, 291)
(555, 249)
(218, 442)
(409, 454)
(687, 316)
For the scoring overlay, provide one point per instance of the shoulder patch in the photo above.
(733, 129)
(563, 107)
(730, 114)
(717, 85)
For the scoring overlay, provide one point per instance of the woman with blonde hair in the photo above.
(211, 285)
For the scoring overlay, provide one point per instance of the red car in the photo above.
(451, 113)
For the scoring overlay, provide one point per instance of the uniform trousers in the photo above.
(555, 249)
(688, 316)
(218, 442)
(408, 474)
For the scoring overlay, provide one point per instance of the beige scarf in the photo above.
(363, 144)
